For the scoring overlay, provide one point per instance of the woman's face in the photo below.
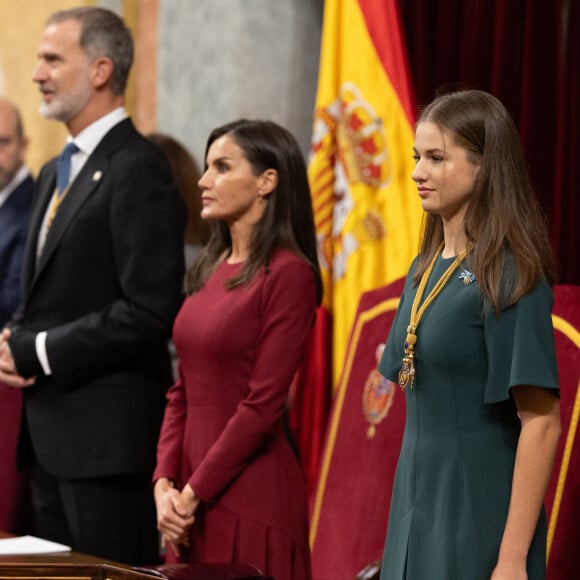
(444, 175)
(230, 190)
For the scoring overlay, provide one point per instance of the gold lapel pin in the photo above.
(97, 175)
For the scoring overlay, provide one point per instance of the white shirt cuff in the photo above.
(40, 344)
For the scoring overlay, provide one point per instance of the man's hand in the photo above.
(8, 373)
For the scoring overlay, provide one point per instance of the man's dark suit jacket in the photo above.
(106, 288)
(14, 219)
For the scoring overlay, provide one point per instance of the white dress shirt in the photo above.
(87, 141)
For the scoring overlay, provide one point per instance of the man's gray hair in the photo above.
(103, 33)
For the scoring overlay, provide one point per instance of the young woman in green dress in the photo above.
(472, 345)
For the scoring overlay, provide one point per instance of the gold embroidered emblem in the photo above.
(377, 396)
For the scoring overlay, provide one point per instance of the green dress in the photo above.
(452, 485)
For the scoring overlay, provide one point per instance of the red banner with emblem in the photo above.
(368, 215)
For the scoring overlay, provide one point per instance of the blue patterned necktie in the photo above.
(63, 166)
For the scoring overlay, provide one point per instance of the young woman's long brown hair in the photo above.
(288, 220)
(503, 221)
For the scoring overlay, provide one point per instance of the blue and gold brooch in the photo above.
(467, 277)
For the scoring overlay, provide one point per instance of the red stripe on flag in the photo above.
(381, 16)
(311, 397)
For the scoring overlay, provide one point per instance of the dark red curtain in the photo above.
(525, 52)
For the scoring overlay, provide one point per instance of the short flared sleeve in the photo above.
(520, 345)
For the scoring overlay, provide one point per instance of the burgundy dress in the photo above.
(222, 432)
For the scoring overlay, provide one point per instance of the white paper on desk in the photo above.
(23, 545)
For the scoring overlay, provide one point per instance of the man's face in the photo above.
(12, 146)
(63, 72)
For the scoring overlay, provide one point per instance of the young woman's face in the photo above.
(444, 175)
(230, 190)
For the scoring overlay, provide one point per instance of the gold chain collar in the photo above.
(407, 372)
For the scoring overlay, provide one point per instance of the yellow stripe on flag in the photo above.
(368, 215)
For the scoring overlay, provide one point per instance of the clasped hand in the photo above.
(8, 373)
(175, 513)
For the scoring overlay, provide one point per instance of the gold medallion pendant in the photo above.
(407, 372)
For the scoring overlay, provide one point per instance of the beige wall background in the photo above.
(21, 26)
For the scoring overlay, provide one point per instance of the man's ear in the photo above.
(102, 69)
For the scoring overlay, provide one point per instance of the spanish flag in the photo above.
(368, 220)
(367, 212)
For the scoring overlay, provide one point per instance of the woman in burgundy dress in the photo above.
(228, 486)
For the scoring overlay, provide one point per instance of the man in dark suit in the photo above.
(102, 278)
(16, 186)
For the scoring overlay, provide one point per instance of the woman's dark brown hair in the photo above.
(503, 217)
(287, 221)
